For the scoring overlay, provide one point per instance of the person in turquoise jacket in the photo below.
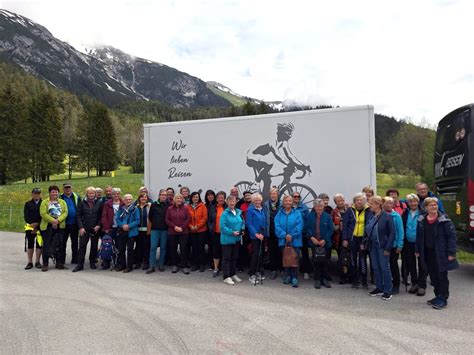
(397, 243)
(128, 219)
(320, 229)
(232, 226)
(289, 229)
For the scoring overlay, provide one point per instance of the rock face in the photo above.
(105, 73)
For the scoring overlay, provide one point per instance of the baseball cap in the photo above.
(36, 190)
(67, 184)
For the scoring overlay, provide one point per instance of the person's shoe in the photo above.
(287, 280)
(306, 276)
(93, 266)
(228, 281)
(119, 268)
(317, 284)
(38, 265)
(376, 292)
(440, 304)
(150, 271)
(195, 268)
(395, 290)
(174, 269)
(215, 273)
(387, 296)
(273, 275)
(355, 285)
(253, 280)
(294, 282)
(60, 266)
(365, 286)
(326, 283)
(260, 276)
(413, 289)
(186, 271)
(432, 301)
(237, 279)
(421, 292)
(127, 270)
(161, 268)
(78, 268)
(137, 266)
(44, 268)
(29, 266)
(202, 268)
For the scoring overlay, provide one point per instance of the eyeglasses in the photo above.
(296, 196)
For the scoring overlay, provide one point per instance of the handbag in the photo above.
(290, 257)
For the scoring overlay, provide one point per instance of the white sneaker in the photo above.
(260, 276)
(229, 281)
(253, 280)
(306, 276)
(235, 278)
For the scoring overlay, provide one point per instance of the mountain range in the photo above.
(105, 72)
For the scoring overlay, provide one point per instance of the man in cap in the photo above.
(71, 230)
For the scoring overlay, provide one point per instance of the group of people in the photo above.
(230, 233)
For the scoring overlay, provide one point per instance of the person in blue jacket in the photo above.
(436, 245)
(257, 226)
(128, 219)
(232, 226)
(320, 229)
(388, 204)
(305, 267)
(289, 229)
(380, 233)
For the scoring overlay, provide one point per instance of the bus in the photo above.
(454, 170)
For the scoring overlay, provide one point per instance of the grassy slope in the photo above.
(233, 99)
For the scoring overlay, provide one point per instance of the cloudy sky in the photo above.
(410, 59)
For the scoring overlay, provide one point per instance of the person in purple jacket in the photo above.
(177, 219)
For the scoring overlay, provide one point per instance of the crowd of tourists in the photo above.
(387, 241)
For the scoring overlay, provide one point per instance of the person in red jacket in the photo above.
(197, 231)
(177, 219)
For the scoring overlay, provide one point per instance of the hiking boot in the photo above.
(421, 292)
(174, 269)
(150, 271)
(161, 268)
(273, 275)
(432, 301)
(44, 268)
(326, 283)
(60, 266)
(317, 284)
(127, 270)
(186, 271)
(78, 268)
(440, 304)
(294, 282)
(38, 265)
(235, 278)
(195, 268)
(376, 292)
(93, 266)
(387, 296)
(413, 289)
(228, 281)
(202, 268)
(29, 266)
(306, 276)
(253, 280)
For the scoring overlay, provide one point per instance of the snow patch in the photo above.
(110, 88)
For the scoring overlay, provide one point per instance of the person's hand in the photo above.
(322, 242)
(398, 251)
(417, 255)
(336, 228)
(126, 228)
(96, 229)
(288, 238)
(259, 236)
(107, 231)
(82, 231)
(314, 240)
(55, 222)
(236, 233)
(451, 258)
(386, 253)
(345, 243)
(178, 229)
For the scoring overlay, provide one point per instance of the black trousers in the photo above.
(132, 251)
(275, 253)
(198, 252)
(121, 244)
(358, 261)
(417, 274)
(439, 279)
(83, 241)
(395, 270)
(181, 260)
(216, 246)
(321, 269)
(52, 244)
(256, 260)
(208, 241)
(305, 265)
(243, 260)
(71, 231)
(230, 254)
(143, 249)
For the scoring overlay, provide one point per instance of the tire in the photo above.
(244, 186)
(307, 193)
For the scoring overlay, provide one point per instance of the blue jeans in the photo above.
(158, 238)
(381, 266)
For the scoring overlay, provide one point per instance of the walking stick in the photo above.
(258, 263)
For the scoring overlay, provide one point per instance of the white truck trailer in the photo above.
(328, 150)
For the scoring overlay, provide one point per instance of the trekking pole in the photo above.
(258, 264)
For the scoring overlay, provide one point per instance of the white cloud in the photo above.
(408, 58)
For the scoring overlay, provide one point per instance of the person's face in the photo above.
(413, 204)
(128, 200)
(185, 193)
(234, 192)
(248, 197)
(288, 203)
(210, 197)
(53, 194)
(374, 206)
(170, 194)
(368, 194)
(296, 198)
(319, 208)
(388, 206)
(108, 191)
(115, 195)
(393, 195)
(422, 191)
(98, 194)
(231, 202)
(339, 201)
(220, 199)
(91, 194)
(178, 201)
(67, 190)
(432, 208)
(163, 196)
(326, 201)
(36, 196)
(143, 199)
(195, 199)
(257, 202)
(359, 203)
(274, 195)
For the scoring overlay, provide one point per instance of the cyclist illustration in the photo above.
(276, 159)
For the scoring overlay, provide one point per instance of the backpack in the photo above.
(106, 250)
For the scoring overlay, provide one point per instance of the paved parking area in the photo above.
(108, 312)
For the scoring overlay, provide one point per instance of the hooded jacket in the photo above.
(229, 224)
(197, 217)
(289, 223)
(256, 221)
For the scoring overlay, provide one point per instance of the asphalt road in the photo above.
(108, 312)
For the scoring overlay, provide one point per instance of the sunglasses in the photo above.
(296, 196)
